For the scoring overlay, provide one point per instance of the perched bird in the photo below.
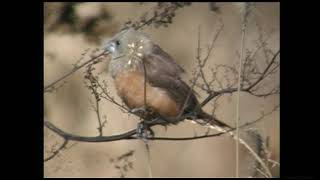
(134, 57)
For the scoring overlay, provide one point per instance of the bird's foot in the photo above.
(144, 131)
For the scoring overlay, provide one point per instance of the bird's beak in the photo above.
(109, 46)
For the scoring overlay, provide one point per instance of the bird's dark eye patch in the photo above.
(117, 43)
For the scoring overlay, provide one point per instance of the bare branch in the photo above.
(264, 72)
(130, 134)
(247, 89)
(69, 136)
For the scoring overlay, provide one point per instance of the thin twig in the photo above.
(265, 71)
(46, 88)
(244, 23)
(108, 97)
(144, 83)
(56, 152)
(145, 105)
(261, 172)
(195, 79)
(100, 128)
(232, 90)
(199, 62)
(202, 63)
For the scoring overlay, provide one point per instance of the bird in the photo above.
(148, 78)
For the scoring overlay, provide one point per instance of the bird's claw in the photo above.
(144, 131)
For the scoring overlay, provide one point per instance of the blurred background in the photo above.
(71, 29)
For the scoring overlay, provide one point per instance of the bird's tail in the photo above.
(209, 119)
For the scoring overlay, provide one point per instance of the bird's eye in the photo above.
(117, 43)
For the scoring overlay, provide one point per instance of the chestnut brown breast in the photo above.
(130, 87)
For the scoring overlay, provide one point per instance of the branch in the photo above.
(72, 137)
(101, 124)
(264, 72)
(130, 134)
(94, 89)
(232, 90)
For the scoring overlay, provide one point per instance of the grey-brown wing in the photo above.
(164, 72)
(177, 89)
(160, 61)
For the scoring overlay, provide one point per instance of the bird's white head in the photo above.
(128, 42)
